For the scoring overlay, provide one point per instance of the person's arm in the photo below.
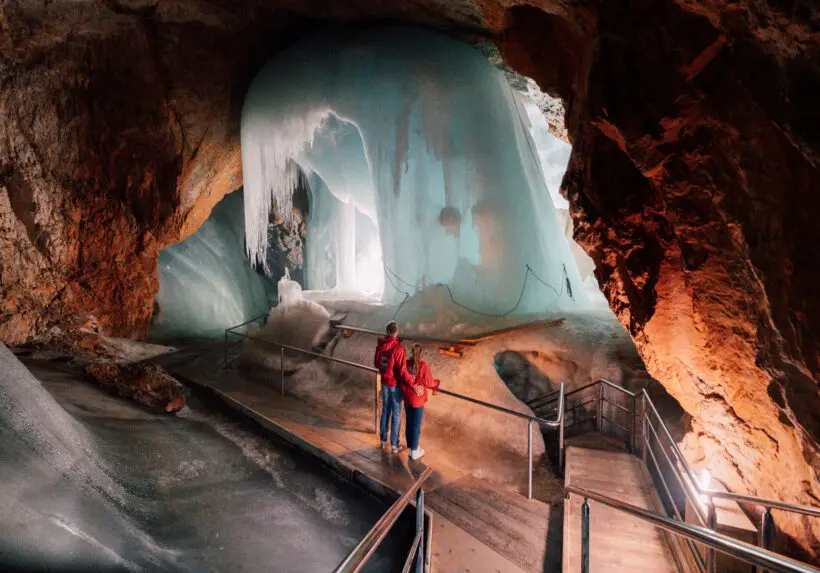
(400, 367)
(427, 377)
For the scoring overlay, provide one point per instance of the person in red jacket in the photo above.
(391, 361)
(415, 397)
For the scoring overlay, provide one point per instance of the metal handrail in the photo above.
(684, 475)
(360, 554)
(309, 353)
(551, 423)
(283, 347)
(763, 502)
(769, 503)
(746, 552)
(548, 396)
(254, 319)
(558, 422)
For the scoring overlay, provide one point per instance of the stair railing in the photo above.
(556, 423)
(362, 553)
(746, 552)
(665, 454)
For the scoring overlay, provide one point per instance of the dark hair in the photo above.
(392, 328)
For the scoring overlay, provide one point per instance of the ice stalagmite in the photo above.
(418, 153)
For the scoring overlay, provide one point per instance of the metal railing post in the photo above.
(282, 369)
(645, 441)
(376, 404)
(632, 432)
(529, 459)
(420, 530)
(585, 537)
(561, 444)
(600, 416)
(734, 548)
(711, 523)
(766, 535)
(226, 350)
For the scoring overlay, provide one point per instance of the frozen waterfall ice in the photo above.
(206, 282)
(422, 171)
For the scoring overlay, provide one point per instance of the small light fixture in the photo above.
(705, 482)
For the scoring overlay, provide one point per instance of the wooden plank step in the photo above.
(518, 529)
(505, 500)
(618, 541)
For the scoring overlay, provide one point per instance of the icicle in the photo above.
(425, 148)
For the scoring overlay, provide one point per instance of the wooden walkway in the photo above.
(618, 542)
(478, 526)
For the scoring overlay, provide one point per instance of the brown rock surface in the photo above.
(142, 382)
(694, 186)
(693, 181)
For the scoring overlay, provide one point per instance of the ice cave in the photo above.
(578, 237)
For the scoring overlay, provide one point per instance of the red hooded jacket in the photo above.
(424, 379)
(391, 361)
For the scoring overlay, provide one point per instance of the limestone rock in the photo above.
(142, 382)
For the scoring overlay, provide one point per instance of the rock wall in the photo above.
(114, 142)
(693, 181)
(694, 186)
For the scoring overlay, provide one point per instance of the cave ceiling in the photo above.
(693, 182)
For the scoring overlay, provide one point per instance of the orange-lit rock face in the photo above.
(693, 184)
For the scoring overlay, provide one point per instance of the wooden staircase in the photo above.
(528, 533)
(618, 542)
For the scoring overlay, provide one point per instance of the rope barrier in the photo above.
(565, 283)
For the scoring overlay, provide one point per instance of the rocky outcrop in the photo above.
(694, 187)
(142, 382)
(693, 181)
(286, 238)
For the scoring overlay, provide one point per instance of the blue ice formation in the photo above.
(422, 171)
(206, 283)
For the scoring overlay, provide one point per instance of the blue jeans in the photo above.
(391, 411)
(412, 425)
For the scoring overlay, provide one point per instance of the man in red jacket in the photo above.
(391, 361)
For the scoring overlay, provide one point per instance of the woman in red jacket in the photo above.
(415, 397)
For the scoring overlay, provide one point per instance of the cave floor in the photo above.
(489, 525)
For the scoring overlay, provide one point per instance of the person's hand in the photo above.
(419, 391)
(435, 391)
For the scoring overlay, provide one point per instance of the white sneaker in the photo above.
(397, 449)
(383, 445)
(416, 454)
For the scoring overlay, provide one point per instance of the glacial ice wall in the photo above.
(206, 283)
(419, 137)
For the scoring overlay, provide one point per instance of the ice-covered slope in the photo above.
(206, 282)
